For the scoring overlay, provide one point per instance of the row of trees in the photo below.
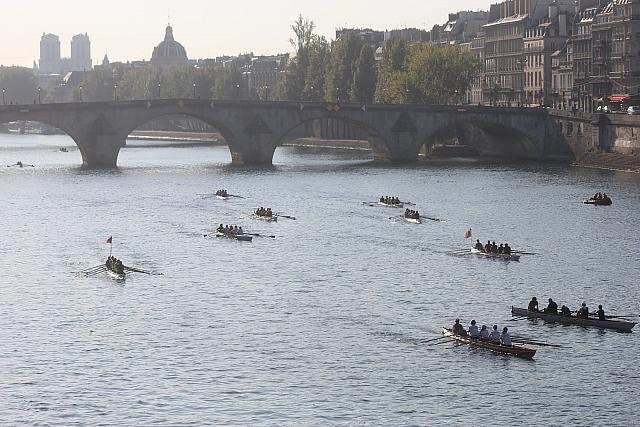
(346, 70)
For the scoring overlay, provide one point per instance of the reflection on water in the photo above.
(326, 323)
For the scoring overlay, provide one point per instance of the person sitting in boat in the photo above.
(220, 229)
(458, 329)
(488, 246)
(507, 249)
(381, 199)
(600, 313)
(565, 311)
(494, 336)
(474, 332)
(501, 249)
(479, 246)
(269, 213)
(484, 332)
(505, 338)
(235, 230)
(119, 267)
(533, 304)
(494, 248)
(583, 312)
(552, 308)
(240, 231)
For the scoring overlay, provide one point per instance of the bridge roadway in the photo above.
(254, 129)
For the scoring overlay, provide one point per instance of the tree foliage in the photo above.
(364, 76)
(341, 66)
(19, 85)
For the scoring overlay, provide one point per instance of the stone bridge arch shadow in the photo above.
(335, 132)
(180, 128)
(480, 139)
(31, 133)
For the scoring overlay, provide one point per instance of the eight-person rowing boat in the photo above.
(569, 319)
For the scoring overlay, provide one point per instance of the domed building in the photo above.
(169, 53)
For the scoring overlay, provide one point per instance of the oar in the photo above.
(436, 339)
(260, 235)
(237, 197)
(95, 273)
(286, 216)
(515, 319)
(449, 341)
(433, 219)
(523, 253)
(87, 270)
(136, 270)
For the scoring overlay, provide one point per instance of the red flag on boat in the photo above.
(468, 234)
(110, 239)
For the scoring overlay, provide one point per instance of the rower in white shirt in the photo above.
(473, 330)
(494, 336)
(505, 339)
(240, 232)
(484, 332)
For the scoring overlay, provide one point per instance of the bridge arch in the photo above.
(355, 129)
(225, 131)
(487, 138)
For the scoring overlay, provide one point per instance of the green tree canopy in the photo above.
(341, 66)
(19, 85)
(364, 76)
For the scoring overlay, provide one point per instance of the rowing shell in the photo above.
(413, 220)
(503, 257)
(391, 205)
(514, 350)
(241, 238)
(120, 277)
(618, 325)
(598, 202)
(222, 197)
(265, 218)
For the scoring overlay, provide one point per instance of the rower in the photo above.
(552, 308)
(505, 339)
(501, 249)
(565, 311)
(583, 312)
(533, 304)
(507, 249)
(381, 199)
(484, 332)
(479, 246)
(220, 229)
(487, 247)
(494, 248)
(473, 330)
(458, 329)
(600, 313)
(494, 336)
(240, 231)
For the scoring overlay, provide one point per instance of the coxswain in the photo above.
(240, 231)
(565, 311)
(474, 332)
(484, 332)
(479, 246)
(505, 339)
(600, 313)
(552, 308)
(494, 336)
(458, 329)
(533, 304)
(583, 312)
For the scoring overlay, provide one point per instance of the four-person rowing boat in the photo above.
(265, 218)
(390, 205)
(413, 220)
(618, 325)
(513, 350)
(504, 257)
(239, 237)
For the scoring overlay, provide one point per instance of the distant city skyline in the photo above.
(206, 29)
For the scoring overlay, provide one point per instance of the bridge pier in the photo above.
(100, 151)
(253, 150)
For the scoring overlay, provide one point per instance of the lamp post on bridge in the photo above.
(115, 92)
(4, 102)
(39, 95)
(338, 94)
(194, 89)
(81, 98)
(238, 91)
(159, 90)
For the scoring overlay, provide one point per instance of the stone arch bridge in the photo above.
(253, 129)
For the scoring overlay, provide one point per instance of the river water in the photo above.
(325, 324)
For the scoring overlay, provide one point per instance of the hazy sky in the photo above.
(129, 29)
